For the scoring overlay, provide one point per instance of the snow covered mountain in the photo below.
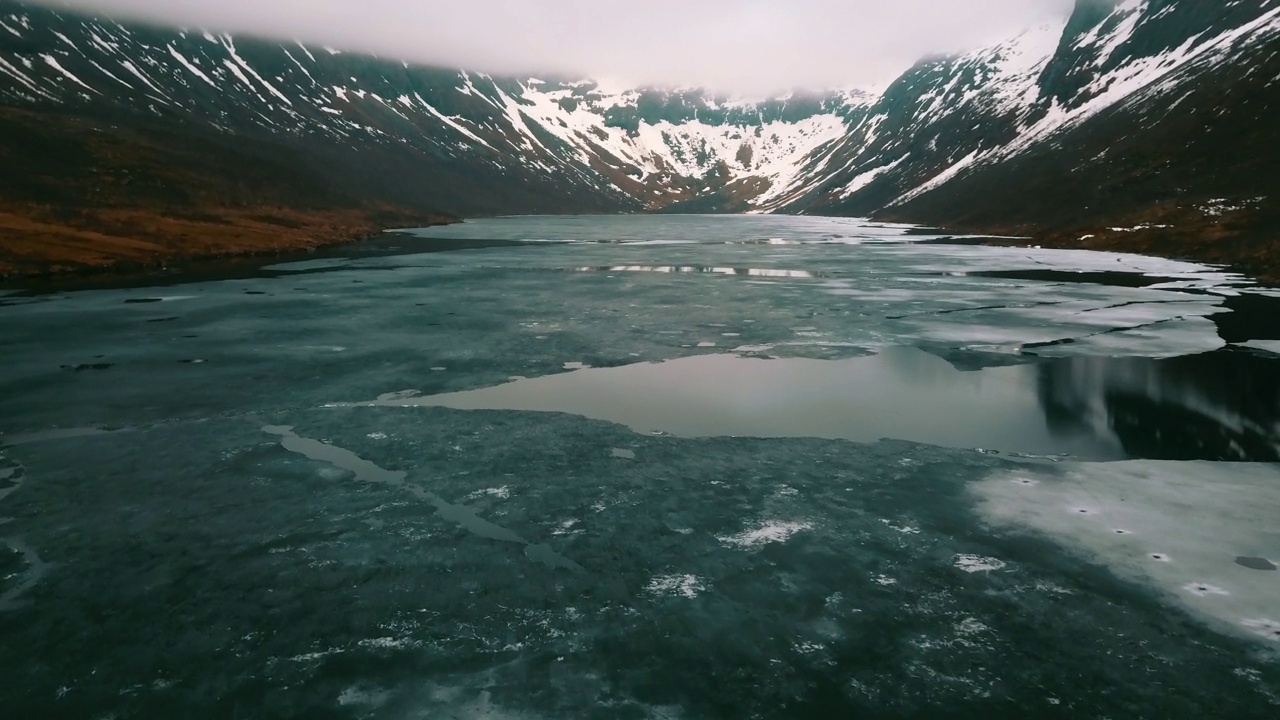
(958, 117)
(560, 143)
(1115, 94)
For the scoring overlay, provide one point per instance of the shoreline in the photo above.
(1248, 248)
(1260, 276)
(389, 242)
(169, 265)
(1263, 275)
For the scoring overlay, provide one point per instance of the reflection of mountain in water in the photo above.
(1216, 406)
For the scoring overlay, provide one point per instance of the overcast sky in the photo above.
(738, 46)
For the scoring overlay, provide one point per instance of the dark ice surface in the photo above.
(645, 467)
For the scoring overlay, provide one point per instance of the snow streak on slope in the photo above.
(690, 149)
(869, 176)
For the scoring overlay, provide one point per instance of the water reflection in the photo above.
(1216, 406)
(1219, 406)
(708, 270)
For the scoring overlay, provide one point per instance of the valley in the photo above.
(1141, 125)
(338, 385)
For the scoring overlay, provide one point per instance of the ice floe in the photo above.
(1176, 527)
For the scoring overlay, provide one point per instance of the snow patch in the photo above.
(685, 586)
(866, 178)
(767, 533)
(977, 563)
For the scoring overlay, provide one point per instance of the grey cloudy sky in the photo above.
(742, 46)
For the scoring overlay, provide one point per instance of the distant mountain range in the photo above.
(1146, 124)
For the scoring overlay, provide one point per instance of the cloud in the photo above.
(746, 46)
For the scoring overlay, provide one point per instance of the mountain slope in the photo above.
(953, 117)
(1184, 166)
(1157, 149)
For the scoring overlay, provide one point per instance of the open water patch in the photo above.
(1205, 407)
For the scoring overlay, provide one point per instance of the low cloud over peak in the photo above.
(740, 46)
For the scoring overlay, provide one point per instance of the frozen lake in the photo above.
(646, 467)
